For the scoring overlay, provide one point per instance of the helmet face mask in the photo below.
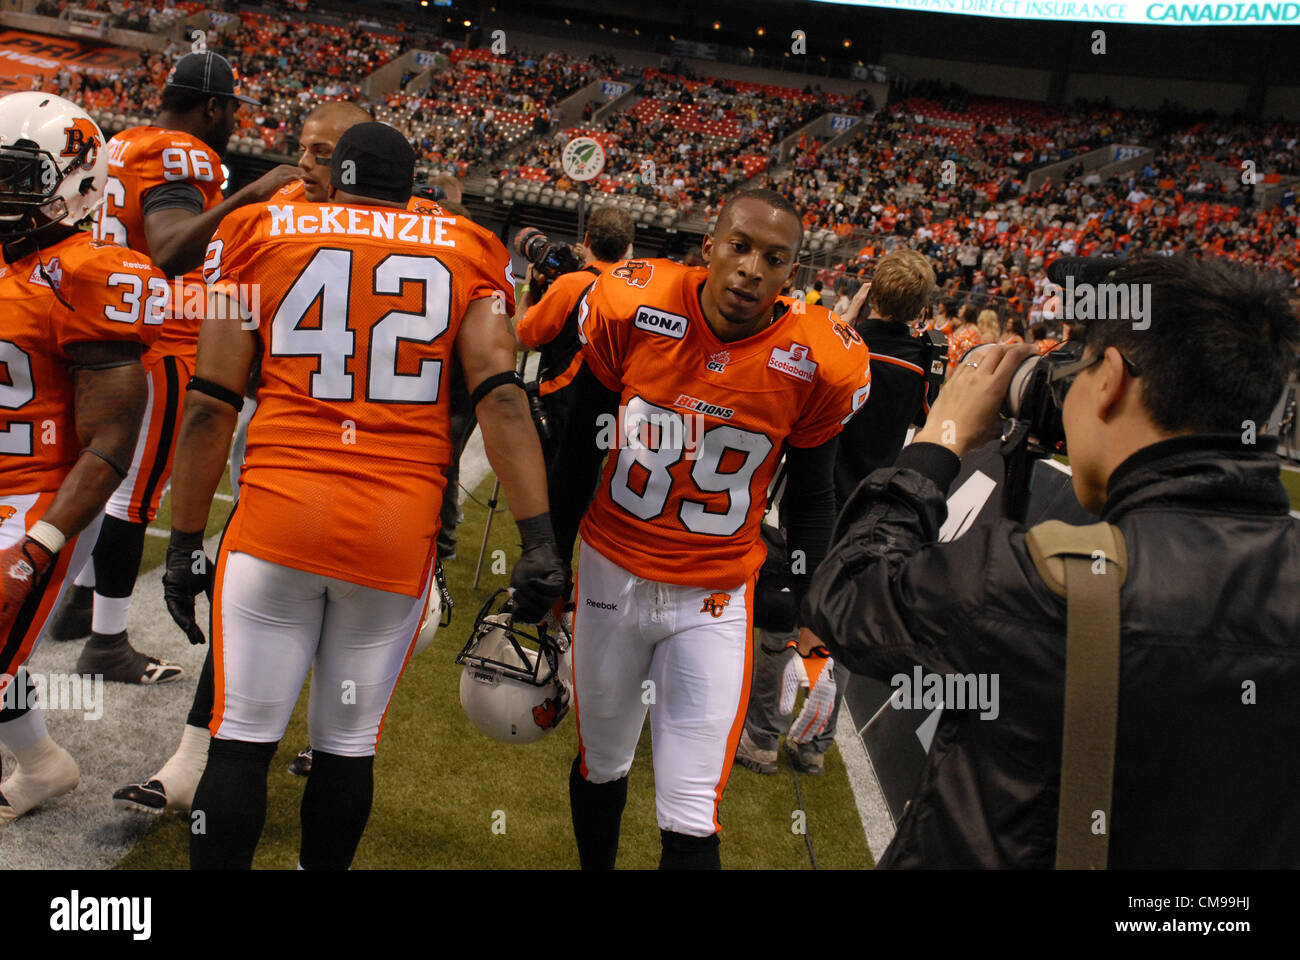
(510, 690)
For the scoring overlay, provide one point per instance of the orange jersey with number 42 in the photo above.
(357, 311)
(115, 294)
(702, 422)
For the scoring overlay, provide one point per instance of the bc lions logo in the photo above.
(6, 512)
(715, 603)
(637, 273)
(550, 712)
(845, 330)
(80, 134)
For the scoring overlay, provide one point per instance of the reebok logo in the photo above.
(601, 605)
(794, 362)
(665, 324)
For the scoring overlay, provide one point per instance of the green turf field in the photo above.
(440, 785)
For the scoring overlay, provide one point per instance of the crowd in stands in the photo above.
(688, 141)
(939, 171)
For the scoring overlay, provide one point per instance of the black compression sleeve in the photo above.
(575, 468)
(808, 507)
(168, 196)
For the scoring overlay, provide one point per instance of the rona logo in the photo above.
(637, 273)
(665, 324)
(794, 362)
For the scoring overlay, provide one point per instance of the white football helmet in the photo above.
(509, 691)
(53, 163)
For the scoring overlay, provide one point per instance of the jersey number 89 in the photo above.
(706, 473)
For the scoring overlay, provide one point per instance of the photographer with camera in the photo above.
(546, 316)
(906, 373)
(1194, 657)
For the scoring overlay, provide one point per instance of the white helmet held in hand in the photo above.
(512, 692)
(53, 163)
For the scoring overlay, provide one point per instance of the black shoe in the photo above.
(117, 661)
(149, 797)
(300, 766)
(72, 620)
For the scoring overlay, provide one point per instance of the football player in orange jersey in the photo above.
(78, 315)
(172, 787)
(707, 376)
(164, 199)
(326, 561)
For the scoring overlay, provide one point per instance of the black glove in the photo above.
(188, 572)
(540, 575)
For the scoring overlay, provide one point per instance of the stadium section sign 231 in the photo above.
(1141, 11)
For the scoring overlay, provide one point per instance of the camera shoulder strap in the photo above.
(1087, 566)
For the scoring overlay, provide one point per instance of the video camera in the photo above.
(549, 259)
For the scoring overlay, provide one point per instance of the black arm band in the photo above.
(216, 391)
(494, 381)
(117, 467)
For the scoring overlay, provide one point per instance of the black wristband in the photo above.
(494, 381)
(536, 530)
(185, 540)
(217, 392)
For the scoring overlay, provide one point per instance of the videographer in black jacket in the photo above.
(882, 312)
(1164, 430)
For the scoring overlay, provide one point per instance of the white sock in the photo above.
(110, 614)
(24, 732)
(181, 773)
(86, 578)
(44, 770)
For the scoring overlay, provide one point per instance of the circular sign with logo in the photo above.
(583, 158)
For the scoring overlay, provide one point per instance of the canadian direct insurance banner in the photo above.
(1158, 12)
(24, 55)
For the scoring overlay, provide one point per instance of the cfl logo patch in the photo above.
(21, 571)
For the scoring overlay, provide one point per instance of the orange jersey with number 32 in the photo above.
(115, 294)
(702, 422)
(357, 310)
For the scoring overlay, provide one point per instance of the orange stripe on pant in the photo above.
(218, 660)
(737, 725)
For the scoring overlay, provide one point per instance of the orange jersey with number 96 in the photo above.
(141, 159)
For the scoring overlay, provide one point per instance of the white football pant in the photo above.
(271, 623)
(682, 653)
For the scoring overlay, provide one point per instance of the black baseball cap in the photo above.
(374, 160)
(209, 73)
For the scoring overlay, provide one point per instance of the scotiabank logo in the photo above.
(794, 362)
(665, 324)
